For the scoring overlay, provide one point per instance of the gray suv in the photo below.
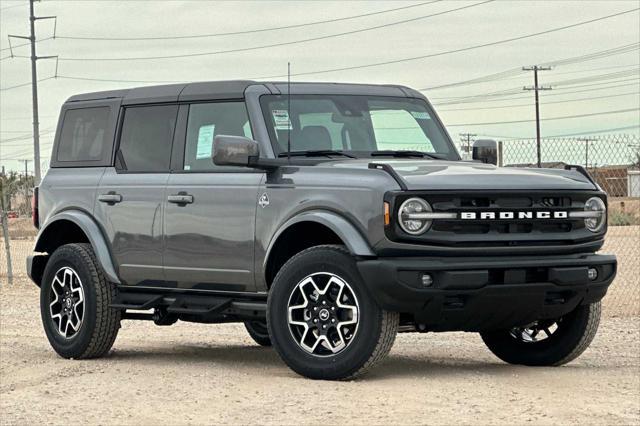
(325, 217)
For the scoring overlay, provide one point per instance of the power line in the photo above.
(464, 49)
(604, 53)
(68, 77)
(2, 89)
(22, 45)
(561, 83)
(23, 137)
(267, 46)
(564, 117)
(15, 5)
(34, 85)
(589, 132)
(515, 71)
(546, 103)
(260, 30)
(562, 90)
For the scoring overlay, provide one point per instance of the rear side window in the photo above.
(146, 137)
(206, 121)
(83, 136)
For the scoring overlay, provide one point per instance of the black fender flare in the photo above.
(348, 233)
(94, 235)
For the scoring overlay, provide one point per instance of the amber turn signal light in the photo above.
(387, 218)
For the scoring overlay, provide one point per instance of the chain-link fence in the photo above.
(612, 161)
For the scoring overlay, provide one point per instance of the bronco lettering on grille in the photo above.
(510, 215)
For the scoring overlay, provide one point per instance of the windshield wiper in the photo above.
(402, 153)
(315, 153)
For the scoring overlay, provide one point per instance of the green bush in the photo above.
(622, 219)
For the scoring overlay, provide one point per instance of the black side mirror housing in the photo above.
(235, 151)
(486, 151)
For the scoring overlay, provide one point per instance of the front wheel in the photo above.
(547, 342)
(322, 321)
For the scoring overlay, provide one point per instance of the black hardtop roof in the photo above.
(234, 89)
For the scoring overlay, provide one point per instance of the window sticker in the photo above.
(205, 141)
(281, 119)
(420, 115)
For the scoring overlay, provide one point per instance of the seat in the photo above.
(312, 138)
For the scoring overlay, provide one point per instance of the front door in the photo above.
(130, 201)
(210, 210)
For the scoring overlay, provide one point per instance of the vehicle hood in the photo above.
(449, 175)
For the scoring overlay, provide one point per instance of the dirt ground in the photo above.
(196, 374)
(203, 374)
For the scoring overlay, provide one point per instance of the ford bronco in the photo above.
(325, 217)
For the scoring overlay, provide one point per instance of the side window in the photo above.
(83, 135)
(400, 130)
(146, 137)
(205, 122)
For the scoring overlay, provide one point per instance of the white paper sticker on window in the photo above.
(420, 115)
(281, 119)
(205, 141)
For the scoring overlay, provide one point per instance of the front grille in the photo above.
(477, 232)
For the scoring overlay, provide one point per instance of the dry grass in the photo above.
(624, 211)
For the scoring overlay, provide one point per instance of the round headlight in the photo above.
(596, 222)
(407, 216)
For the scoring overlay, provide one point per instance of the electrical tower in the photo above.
(536, 88)
(34, 84)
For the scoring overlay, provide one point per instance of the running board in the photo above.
(143, 306)
(189, 307)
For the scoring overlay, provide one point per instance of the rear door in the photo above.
(130, 200)
(209, 236)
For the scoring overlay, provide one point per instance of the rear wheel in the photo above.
(547, 342)
(74, 304)
(258, 331)
(321, 319)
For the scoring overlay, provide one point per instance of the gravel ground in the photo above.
(195, 374)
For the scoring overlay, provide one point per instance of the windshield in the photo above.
(359, 126)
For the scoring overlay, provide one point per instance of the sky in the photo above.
(422, 44)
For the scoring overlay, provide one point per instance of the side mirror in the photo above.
(234, 151)
(486, 151)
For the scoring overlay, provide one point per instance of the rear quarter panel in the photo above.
(68, 188)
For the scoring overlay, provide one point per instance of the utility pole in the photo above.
(536, 88)
(34, 84)
(466, 137)
(586, 149)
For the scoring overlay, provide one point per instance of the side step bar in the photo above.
(188, 307)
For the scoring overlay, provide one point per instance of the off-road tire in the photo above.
(258, 331)
(101, 323)
(376, 331)
(574, 334)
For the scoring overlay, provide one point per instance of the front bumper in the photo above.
(484, 293)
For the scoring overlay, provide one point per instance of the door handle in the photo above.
(110, 198)
(181, 198)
